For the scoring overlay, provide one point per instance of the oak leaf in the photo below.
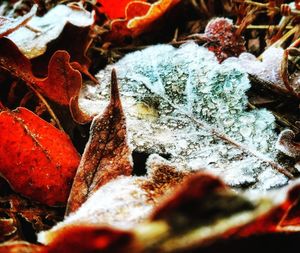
(62, 84)
(106, 155)
(54, 31)
(38, 160)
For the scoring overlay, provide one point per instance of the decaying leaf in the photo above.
(183, 104)
(38, 160)
(62, 84)
(221, 38)
(16, 211)
(106, 155)
(8, 25)
(200, 211)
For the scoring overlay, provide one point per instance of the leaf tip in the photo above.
(115, 96)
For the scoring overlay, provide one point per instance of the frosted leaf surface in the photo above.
(165, 91)
(268, 69)
(125, 201)
(50, 26)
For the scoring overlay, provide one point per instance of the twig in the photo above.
(284, 68)
(39, 95)
(265, 27)
(279, 42)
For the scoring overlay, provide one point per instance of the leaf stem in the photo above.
(48, 107)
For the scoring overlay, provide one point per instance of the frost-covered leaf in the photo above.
(267, 70)
(48, 28)
(62, 28)
(184, 104)
(221, 38)
(198, 211)
(9, 25)
(106, 155)
(126, 201)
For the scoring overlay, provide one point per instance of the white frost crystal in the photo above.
(166, 92)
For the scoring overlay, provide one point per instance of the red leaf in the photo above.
(79, 239)
(62, 84)
(106, 155)
(38, 160)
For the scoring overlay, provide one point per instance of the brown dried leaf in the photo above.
(201, 210)
(286, 143)
(8, 26)
(15, 210)
(106, 155)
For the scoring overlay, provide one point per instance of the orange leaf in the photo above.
(38, 160)
(139, 24)
(106, 155)
(114, 8)
(140, 16)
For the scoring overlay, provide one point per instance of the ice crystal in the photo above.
(166, 92)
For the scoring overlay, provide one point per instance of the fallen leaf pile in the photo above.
(149, 126)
